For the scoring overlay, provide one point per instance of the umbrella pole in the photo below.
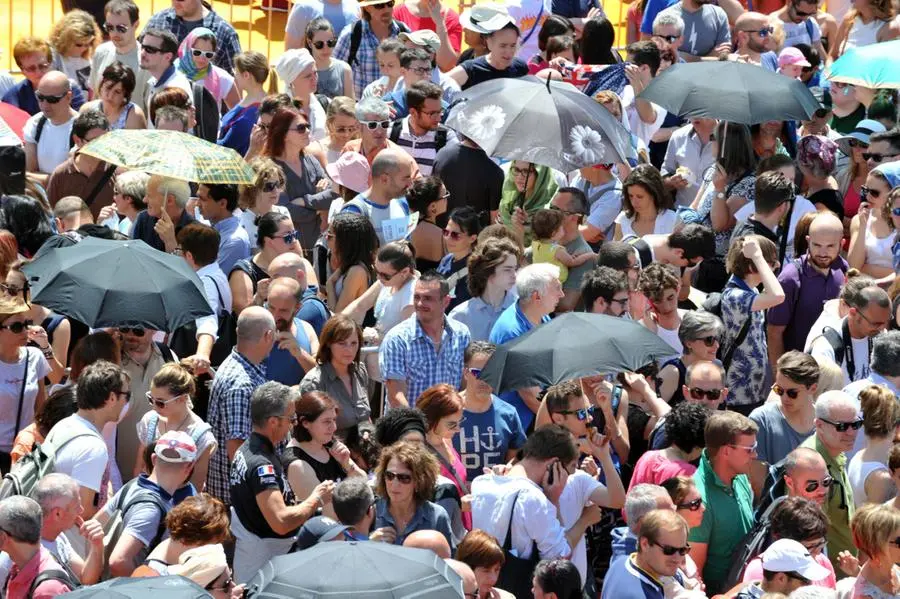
(722, 143)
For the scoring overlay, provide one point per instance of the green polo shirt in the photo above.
(727, 520)
(838, 506)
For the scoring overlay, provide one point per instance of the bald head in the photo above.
(57, 80)
(751, 20)
(470, 583)
(826, 223)
(390, 162)
(288, 265)
(803, 458)
(431, 540)
(284, 287)
(253, 324)
(55, 84)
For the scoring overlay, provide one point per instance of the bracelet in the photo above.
(47, 351)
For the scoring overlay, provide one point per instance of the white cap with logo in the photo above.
(788, 555)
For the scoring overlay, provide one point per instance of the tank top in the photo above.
(542, 251)
(329, 470)
(857, 473)
(281, 366)
(862, 34)
(331, 80)
(878, 249)
(251, 269)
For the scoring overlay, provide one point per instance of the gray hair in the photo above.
(535, 278)
(860, 291)
(372, 107)
(830, 400)
(21, 518)
(253, 323)
(351, 499)
(670, 18)
(133, 184)
(886, 354)
(811, 592)
(269, 400)
(640, 501)
(688, 376)
(56, 490)
(697, 322)
(176, 188)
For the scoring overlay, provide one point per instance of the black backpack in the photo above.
(63, 575)
(42, 122)
(753, 543)
(836, 342)
(440, 135)
(356, 39)
(713, 305)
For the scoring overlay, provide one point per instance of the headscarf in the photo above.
(292, 63)
(890, 171)
(545, 187)
(185, 62)
(817, 151)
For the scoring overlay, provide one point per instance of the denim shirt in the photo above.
(428, 516)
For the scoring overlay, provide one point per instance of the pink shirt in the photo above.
(754, 572)
(20, 581)
(451, 20)
(653, 467)
(460, 470)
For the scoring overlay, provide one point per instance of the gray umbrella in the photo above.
(551, 124)
(732, 91)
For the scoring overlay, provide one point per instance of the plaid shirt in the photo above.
(365, 69)
(408, 354)
(229, 415)
(227, 43)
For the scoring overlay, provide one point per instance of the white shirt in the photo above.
(534, 521)
(12, 378)
(576, 494)
(177, 79)
(685, 149)
(215, 286)
(525, 13)
(83, 458)
(53, 148)
(801, 206)
(644, 131)
(820, 348)
(663, 225)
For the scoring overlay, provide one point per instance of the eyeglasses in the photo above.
(476, 372)
(197, 53)
(869, 192)
(49, 99)
(301, 128)
(270, 186)
(289, 237)
(812, 485)
(454, 235)
(376, 124)
(37, 68)
(401, 477)
(710, 394)
(136, 331)
(226, 587)
(385, 276)
(669, 38)
(419, 70)
(780, 391)
(842, 427)
(11, 290)
(691, 505)
(109, 28)
(432, 114)
(855, 143)
(320, 44)
(16, 328)
(747, 448)
(669, 550)
(876, 157)
(582, 414)
(160, 403)
(454, 425)
(150, 49)
(522, 172)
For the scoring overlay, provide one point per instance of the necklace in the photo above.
(178, 428)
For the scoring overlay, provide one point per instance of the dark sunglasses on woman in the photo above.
(320, 44)
(17, 327)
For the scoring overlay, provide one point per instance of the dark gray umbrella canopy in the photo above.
(732, 91)
(555, 126)
(105, 283)
(157, 587)
(570, 346)
(356, 570)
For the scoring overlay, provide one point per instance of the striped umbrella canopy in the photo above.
(172, 154)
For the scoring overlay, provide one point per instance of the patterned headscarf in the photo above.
(185, 62)
(817, 152)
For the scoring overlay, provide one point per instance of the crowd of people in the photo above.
(359, 286)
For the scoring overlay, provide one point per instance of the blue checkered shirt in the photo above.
(408, 354)
(227, 43)
(229, 415)
(365, 69)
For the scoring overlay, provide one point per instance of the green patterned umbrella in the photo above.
(172, 154)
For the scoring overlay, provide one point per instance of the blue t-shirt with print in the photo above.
(485, 437)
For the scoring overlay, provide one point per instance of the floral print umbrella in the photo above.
(171, 154)
(551, 124)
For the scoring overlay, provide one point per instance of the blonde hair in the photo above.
(254, 63)
(873, 526)
(830, 376)
(266, 170)
(73, 26)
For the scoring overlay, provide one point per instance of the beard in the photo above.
(756, 46)
(820, 262)
(282, 325)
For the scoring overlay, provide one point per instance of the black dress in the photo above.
(329, 470)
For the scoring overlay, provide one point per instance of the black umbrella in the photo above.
(350, 570)
(157, 587)
(553, 125)
(106, 283)
(730, 91)
(570, 346)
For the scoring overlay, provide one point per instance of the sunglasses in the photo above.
(10, 290)
(388, 4)
(49, 99)
(159, 403)
(375, 124)
(289, 237)
(855, 143)
(151, 49)
(476, 372)
(669, 550)
(876, 157)
(454, 235)
(320, 44)
(37, 68)
(197, 53)
(669, 38)
(709, 340)
(582, 414)
(385, 276)
(108, 28)
(270, 186)
(301, 128)
(136, 331)
(710, 394)
(749, 448)
(566, 212)
(895, 542)
(895, 211)
(691, 505)
(812, 485)
(802, 13)
(779, 390)
(842, 427)
(522, 172)
(400, 477)
(764, 32)
(869, 192)
(17, 327)
(345, 130)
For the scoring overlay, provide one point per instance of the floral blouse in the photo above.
(745, 187)
(746, 374)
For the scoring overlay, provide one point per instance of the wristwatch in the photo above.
(720, 195)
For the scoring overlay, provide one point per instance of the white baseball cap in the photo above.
(788, 555)
(176, 447)
(485, 18)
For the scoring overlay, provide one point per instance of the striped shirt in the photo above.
(423, 148)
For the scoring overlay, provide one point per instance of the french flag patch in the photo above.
(268, 470)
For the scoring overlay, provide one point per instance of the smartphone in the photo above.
(329, 445)
(551, 478)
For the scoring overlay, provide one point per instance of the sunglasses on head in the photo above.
(49, 99)
(136, 331)
(710, 394)
(691, 505)
(842, 427)
(270, 186)
(812, 485)
(400, 477)
(208, 54)
(376, 124)
(779, 390)
(581, 414)
(669, 550)
(109, 28)
(320, 44)
(17, 327)
(35, 68)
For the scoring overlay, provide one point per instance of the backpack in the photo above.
(25, 474)
(206, 112)
(356, 39)
(184, 340)
(42, 122)
(836, 342)
(713, 305)
(753, 544)
(774, 488)
(128, 498)
(63, 575)
(440, 135)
